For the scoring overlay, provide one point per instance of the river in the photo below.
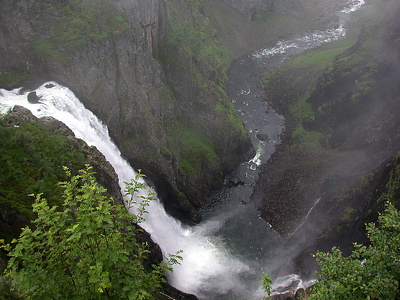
(251, 237)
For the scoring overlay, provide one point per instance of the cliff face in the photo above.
(341, 104)
(126, 62)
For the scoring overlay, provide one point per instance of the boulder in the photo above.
(33, 98)
(234, 181)
(262, 137)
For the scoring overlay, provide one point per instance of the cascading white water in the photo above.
(207, 266)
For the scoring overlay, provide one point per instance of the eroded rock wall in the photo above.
(153, 119)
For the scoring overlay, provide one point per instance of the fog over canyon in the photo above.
(268, 128)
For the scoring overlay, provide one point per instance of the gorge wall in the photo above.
(341, 104)
(153, 71)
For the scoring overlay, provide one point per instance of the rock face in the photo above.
(167, 113)
(252, 9)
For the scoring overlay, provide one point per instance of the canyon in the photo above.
(157, 74)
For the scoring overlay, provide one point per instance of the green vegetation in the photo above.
(13, 79)
(298, 76)
(358, 66)
(280, 25)
(320, 59)
(391, 191)
(88, 248)
(348, 213)
(306, 138)
(274, 18)
(196, 150)
(74, 24)
(266, 282)
(193, 49)
(313, 61)
(31, 160)
(370, 272)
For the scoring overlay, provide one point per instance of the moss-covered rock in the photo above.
(33, 153)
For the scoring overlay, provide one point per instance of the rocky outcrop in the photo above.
(115, 70)
(105, 173)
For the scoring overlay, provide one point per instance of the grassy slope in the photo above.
(32, 160)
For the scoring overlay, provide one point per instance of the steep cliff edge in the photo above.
(173, 119)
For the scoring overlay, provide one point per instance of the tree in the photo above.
(266, 282)
(87, 249)
(370, 272)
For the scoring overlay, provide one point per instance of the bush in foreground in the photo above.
(88, 249)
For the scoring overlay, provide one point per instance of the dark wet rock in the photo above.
(33, 98)
(49, 86)
(18, 114)
(234, 181)
(252, 10)
(262, 137)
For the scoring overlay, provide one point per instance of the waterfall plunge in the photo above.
(207, 267)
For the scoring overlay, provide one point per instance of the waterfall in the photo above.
(207, 266)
